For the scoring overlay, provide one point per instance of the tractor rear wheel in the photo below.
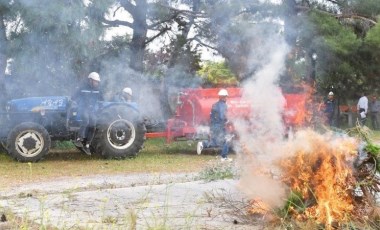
(28, 142)
(120, 133)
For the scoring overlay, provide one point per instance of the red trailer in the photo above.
(191, 119)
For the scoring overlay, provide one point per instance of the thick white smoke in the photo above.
(261, 136)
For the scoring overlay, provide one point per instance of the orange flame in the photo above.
(322, 174)
(296, 109)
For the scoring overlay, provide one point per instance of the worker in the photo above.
(218, 121)
(374, 108)
(362, 108)
(330, 108)
(87, 97)
(126, 96)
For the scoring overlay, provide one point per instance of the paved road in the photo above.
(138, 201)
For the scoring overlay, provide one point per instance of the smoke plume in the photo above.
(261, 136)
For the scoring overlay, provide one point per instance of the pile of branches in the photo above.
(367, 165)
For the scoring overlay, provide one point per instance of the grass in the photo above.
(218, 171)
(376, 136)
(157, 156)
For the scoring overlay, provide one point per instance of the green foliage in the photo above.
(216, 73)
(366, 7)
(372, 148)
(55, 41)
(366, 135)
(373, 36)
(338, 38)
(341, 62)
(294, 202)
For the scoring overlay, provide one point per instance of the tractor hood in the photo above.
(36, 104)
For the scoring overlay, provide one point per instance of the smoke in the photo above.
(261, 136)
(146, 90)
(43, 40)
(58, 43)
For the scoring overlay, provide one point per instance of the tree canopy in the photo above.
(334, 42)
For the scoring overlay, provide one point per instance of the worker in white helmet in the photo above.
(87, 97)
(126, 96)
(330, 109)
(218, 120)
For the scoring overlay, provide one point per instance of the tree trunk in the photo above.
(174, 59)
(3, 60)
(140, 29)
(3, 47)
(290, 22)
(182, 38)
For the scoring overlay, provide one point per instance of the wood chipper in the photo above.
(192, 114)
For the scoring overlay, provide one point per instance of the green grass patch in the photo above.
(156, 156)
(218, 171)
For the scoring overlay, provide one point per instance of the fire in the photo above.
(321, 171)
(297, 107)
(316, 170)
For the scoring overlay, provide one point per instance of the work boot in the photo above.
(86, 149)
(78, 142)
(199, 147)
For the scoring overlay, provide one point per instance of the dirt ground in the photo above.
(135, 201)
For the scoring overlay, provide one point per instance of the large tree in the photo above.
(3, 40)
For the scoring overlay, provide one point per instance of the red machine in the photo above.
(192, 116)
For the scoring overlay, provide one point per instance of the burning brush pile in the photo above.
(331, 179)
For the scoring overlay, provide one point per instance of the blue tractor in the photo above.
(29, 125)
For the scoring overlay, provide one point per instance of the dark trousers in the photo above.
(218, 139)
(88, 121)
(375, 123)
(330, 119)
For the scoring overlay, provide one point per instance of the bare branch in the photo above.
(163, 21)
(334, 2)
(114, 13)
(157, 35)
(117, 23)
(203, 44)
(184, 12)
(355, 16)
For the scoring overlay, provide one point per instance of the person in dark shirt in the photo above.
(374, 108)
(330, 108)
(218, 120)
(87, 97)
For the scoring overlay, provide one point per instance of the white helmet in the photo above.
(127, 91)
(94, 76)
(331, 94)
(223, 92)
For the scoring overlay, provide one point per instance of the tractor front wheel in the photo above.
(28, 142)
